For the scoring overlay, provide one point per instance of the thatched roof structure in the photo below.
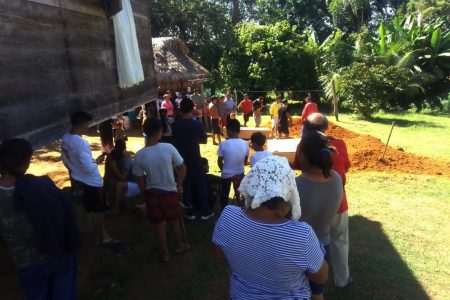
(174, 68)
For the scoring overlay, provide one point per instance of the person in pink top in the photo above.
(310, 108)
(167, 104)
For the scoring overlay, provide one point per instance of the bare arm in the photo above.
(220, 162)
(217, 252)
(320, 276)
(181, 174)
(141, 182)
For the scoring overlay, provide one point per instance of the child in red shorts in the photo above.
(154, 166)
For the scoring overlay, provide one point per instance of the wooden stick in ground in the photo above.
(183, 227)
(387, 143)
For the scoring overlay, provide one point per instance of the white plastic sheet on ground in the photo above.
(129, 65)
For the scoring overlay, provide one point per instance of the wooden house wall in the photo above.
(57, 57)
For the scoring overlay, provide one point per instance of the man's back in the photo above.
(188, 134)
(77, 156)
(310, 108)
(319, 202)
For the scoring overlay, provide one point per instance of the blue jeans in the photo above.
(195, 184)
(52, 280)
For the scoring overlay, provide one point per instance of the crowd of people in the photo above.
(279, 234)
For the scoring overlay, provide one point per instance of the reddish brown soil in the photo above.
(365, 152)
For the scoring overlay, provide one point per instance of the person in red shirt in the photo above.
(247, 108)
(310, 108)
(339, 241)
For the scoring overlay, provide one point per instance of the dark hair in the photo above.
(204, 161)
(318, 123)
(163, 115)
(234, 126)
(315, 147)
(273, 203)
(279, 97)
(152, 126)
(186, 106)
(117, 152)
(258, 139)
(80, 117)
(14, 154)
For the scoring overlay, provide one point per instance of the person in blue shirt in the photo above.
(271, 254)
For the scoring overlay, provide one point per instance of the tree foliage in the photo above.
(269, 57)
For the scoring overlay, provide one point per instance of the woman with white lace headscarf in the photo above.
(271, 254)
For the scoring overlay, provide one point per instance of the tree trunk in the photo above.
(335, 101)
(236, 16)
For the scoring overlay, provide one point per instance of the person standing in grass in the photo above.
(154, 165)
(284, 120)
(83, 169)
(310, 108)
(257, 110)
(273, 111)
(222, 111)
(214, 114)
(230, 106)
(258, 141)
(188, 134)
(232, 156)
(38, 224)
(167, 104)
(270, 253)
(246, 106)
(339, 241)
(320, 190)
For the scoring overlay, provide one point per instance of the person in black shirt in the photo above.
(188, 134)
(284, 119)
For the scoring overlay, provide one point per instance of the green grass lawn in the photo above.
(399, 249)
(423, 134)
(399, 235)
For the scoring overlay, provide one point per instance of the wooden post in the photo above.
(204, 117)
(387, 143)
(335, 101)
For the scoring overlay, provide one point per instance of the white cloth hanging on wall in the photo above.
(129, 65)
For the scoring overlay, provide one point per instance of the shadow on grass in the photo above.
(377, 268)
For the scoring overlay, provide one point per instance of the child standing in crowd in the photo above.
(213, 183)
(155, 165)
(274, 115)
(232, 156)
(214, 114)
(258, 141)
(77, 157)
(38, 225)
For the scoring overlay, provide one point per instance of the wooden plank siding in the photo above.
(58, 56)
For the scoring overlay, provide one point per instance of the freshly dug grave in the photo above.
(365, 152)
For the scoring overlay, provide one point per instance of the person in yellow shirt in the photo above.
(273, 111)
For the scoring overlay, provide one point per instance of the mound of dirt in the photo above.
(365, 152)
